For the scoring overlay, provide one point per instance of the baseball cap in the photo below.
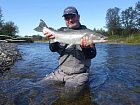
(70, 10)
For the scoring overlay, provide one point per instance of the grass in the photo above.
(131, 39)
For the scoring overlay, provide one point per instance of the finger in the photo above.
(45, 33)
(48, 35)
(51, 36)
(85, 41)
(82, 42)
(86, 38)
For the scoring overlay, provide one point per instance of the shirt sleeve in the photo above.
(54, 46)
(89, 52)
(57, 47)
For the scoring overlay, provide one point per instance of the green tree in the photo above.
(128, 19)
(37, 37)
(137, 9)
(113, 21)
(10, 29)
(1, 21)
(101, 31)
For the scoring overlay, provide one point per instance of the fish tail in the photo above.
(41, 25)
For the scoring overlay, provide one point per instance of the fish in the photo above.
(70, 36)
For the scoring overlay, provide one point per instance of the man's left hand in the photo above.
(86, 42)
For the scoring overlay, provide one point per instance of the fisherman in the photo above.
(75, 60)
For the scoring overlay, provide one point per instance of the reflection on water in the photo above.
(114, 78)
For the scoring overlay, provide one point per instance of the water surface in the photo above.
(114, 78)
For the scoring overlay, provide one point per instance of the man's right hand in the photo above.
(49, 35)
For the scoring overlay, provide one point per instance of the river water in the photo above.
(114, 78)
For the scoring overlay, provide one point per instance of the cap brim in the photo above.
(69, 14)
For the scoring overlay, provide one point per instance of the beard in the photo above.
(73, 25)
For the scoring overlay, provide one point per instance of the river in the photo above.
(114, 78)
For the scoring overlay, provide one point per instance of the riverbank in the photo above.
(8, 55)
(132, 39)
(9, 39)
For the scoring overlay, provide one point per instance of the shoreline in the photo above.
(109, 42)
(8, 55)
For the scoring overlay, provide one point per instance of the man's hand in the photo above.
(50, 36)
(86, 42)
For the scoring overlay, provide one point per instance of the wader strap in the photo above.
(63, 50)
(62, 62)
(62, 53)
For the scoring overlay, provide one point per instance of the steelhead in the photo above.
(71, 36)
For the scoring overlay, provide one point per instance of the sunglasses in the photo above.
(68, 17)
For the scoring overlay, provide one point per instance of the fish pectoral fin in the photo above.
(85, 34)
(69, 46)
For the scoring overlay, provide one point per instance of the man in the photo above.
(75, 60)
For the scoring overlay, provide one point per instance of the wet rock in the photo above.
(8, 55)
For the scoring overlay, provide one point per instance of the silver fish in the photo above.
(71, 36)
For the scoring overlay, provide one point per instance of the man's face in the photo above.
(72, 21)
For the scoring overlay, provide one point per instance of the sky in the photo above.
(26, 14)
